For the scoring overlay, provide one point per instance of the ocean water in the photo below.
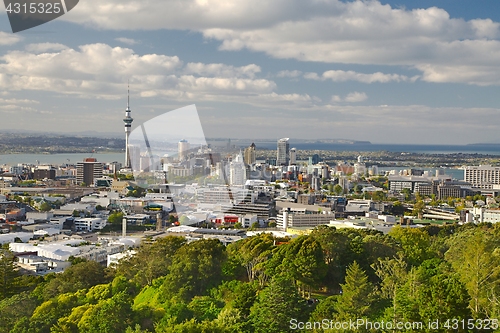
(486, 149)
(14, 159)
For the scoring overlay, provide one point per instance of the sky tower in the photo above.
(128, 123)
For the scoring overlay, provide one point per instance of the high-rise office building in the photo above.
(87, 171)
(183, 150)
(293, 156)
(283, 153)
(483, 176)
(315, 159)
(237, 171)
(249, 157)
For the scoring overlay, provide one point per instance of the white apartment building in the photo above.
(237, 171)
(225, 194)
(483, 176)
(89, 224)
(482, 214)
(293, 219)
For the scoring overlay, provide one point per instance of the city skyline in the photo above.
(380, 71)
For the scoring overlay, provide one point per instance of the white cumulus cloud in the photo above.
(100, 71)
(128, 41)
(353, 97)
(222, 70)
(353, 32)
(8, 39)
(44, 47)
(342, 76)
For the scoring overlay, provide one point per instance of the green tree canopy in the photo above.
(252, 251)
(115, 218)
(474, 255)
(392, 273)
(338, 190)
(358, 294)
(276, 305)
(80, 276)
(8, 274)
(45, 206)
(14, 308)
(108, 316)
(433, 292)
(196, 267)
(415, 244)
(152, 260)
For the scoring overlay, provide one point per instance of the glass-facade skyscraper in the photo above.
(283, 153)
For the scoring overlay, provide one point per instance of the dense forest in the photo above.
(448, 274)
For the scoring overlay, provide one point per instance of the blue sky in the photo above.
(383, 71)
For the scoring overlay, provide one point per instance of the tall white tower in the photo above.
(128, 124)
(183, 149)
(293, 156)
(237, 171)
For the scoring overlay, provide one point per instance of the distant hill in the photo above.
(11, 142)
(484, 144)
(93, 134)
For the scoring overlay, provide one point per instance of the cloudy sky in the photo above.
(385, 71)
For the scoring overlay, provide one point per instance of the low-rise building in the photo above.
(99, 254)
(40, 265)
(287, 220)
(482, 214)
(39, 216)
(137, 219)
(89, 224)
(121, 186)
(263, 211)
(411, 182)
(11, 237)
(44, 172)
(114, 259)
(445, 189)
(359, 206)
(248, 219)
(58, 251)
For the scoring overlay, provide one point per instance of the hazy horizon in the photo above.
(91, 134)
